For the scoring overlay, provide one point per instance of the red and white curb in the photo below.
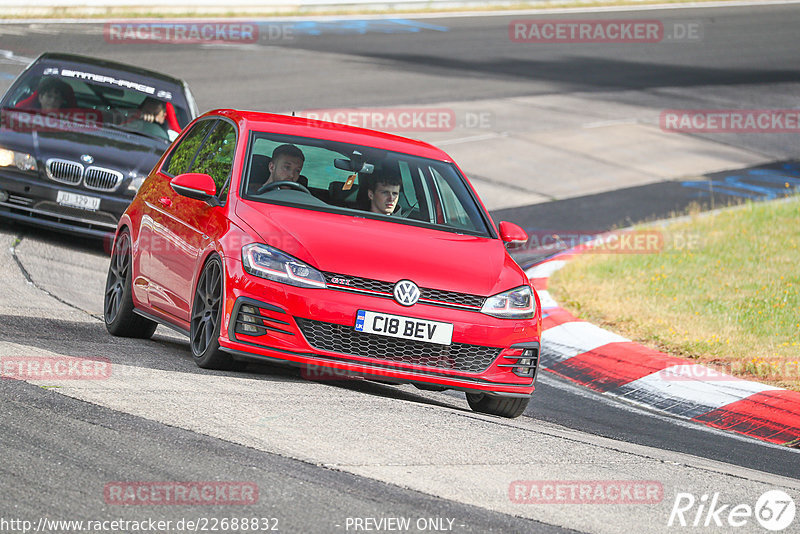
(613, 365)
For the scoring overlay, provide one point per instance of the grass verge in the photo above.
(724, 290)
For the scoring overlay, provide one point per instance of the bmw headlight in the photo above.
(20, 160)
(272, 264)
(135, 184)
(517, 303)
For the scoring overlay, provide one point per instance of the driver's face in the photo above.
(285, 168)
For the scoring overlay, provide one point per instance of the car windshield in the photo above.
(364, 181)
(56, 97)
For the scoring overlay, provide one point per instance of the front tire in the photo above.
(510, 407)
(206, 317)
(118, 311)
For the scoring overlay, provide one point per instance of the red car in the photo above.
(337, 249)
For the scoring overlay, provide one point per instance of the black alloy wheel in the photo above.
(118, 312)
(206, 317)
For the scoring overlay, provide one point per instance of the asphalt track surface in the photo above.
(53, 445)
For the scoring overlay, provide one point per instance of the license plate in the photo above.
(74, 200)
(386, 324)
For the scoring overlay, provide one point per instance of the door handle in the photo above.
(165, 201)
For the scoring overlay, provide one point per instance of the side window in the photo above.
(183, 155)
(215, 157)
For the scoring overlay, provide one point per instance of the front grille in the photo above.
(64, 171)
(101, 179)
(380, 288)
(346, 340)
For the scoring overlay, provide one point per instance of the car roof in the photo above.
(318, 129)
(58, 56)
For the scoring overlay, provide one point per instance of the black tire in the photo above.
(493, 405)
(205, 320)
(118, 311)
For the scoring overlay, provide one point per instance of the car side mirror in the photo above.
(197, 186)
(511, 234)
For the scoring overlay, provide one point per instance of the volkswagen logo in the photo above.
(406, 293)
(87, 159)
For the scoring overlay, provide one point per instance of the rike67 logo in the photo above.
(774, 511)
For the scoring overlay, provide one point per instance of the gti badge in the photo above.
(87, 159)
(406, 293)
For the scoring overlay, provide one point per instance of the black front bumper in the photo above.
(34, 201)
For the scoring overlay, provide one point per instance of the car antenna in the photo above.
(292, 113)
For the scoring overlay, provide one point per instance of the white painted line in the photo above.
(547, 302)
(11, 56)
(674, 391)
(471, 139)
(410, 4)
(636, 407)
(576, 337)
(546, 269)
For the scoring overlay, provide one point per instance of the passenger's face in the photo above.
(384, 198)
(161, 116)
(286, 168)
(51, 99)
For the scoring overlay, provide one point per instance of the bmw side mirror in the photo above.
(197, 186)
(511, 234)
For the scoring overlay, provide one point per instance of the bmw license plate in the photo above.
(74, 200)
(386, 324)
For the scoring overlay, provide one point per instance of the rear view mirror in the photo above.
(197, 186)
(354, 164)
(511, 234)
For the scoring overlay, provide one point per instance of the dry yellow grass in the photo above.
(724, 291)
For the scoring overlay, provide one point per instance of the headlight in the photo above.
(517, 303)
(272, 264)
(135, 184)
(20, 160)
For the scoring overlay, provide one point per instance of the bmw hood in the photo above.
(131, 154)
(384, 250)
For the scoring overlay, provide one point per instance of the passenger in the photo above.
(51, 94)
(286, 164)
(383, 193)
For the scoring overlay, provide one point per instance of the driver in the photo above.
(286, 164)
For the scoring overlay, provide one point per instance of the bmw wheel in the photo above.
(118, 311)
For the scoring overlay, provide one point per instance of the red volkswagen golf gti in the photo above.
(329, 247)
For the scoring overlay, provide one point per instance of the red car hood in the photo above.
(387, 251)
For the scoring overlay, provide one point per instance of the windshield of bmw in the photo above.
(364, 181)
(64, 96)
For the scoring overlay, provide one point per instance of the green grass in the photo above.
(725, 290)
